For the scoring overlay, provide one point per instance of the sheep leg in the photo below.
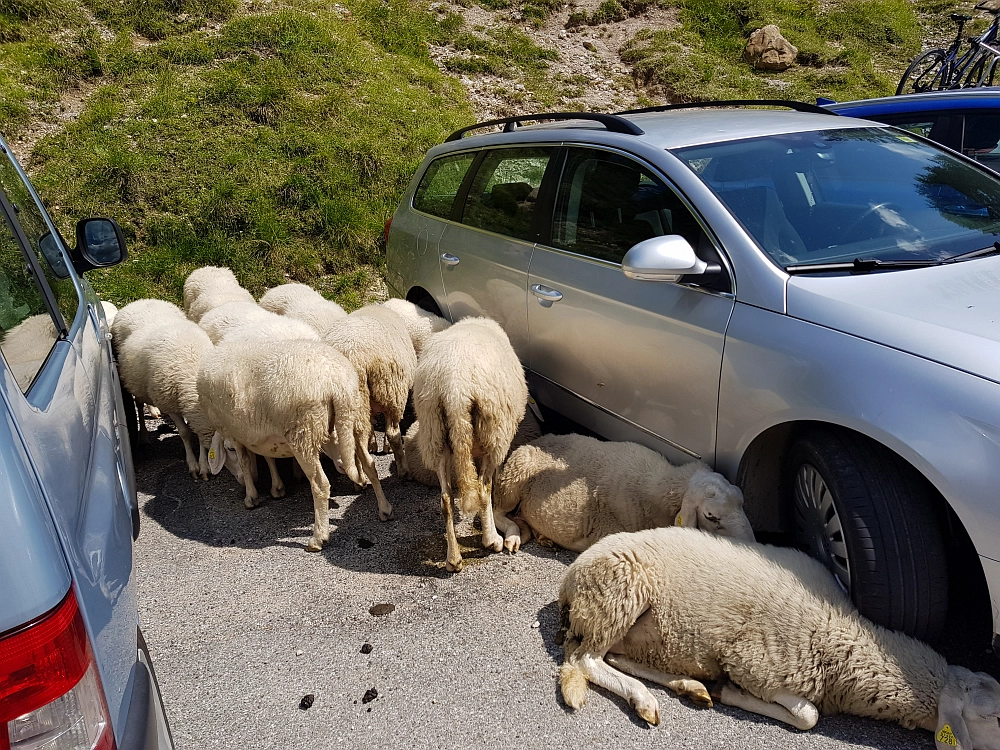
(453, 563)
(491, 539)
(186, 436)
(246, 460)
(788, 708)
(511, 531)
(320, 486)
(523, 529)
(599, 672)
(277, 486)
(366, 463)
(143, 436)
(685, 687)
(203, 468)
(395, 439)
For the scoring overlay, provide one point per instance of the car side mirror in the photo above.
(665, 258)
(99, 244)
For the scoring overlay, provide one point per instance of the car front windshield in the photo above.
(838, 195)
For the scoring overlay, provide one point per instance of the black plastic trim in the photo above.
(613, 123)
(797, 106)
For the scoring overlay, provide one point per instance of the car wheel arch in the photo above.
(424, 300)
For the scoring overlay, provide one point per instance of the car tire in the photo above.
(131, 417)
(859, 508)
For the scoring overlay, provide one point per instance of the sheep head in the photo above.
(712, 504)
(968, 712)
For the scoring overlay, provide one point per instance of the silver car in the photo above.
(809, 303)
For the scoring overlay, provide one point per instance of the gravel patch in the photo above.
(244, 625)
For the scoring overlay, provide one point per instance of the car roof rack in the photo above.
(797, 106)
(613, 123)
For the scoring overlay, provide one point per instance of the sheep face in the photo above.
(968, 712)
(222, 455)
(712, 504)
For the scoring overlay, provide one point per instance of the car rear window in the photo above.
(838, 195)
(440, 184)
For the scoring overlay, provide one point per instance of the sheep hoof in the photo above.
(495, 545)
(454, 567)
(386, 516)
(314, 546)
(251, 502)
(648, 709)
(544, 541)
(512, 544)
(700, 698)
(277, 492)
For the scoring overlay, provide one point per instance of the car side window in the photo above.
(25, 323)
(607, 203)
(46, 248)
(503, 194)
(945, 129)
(981, 139)
(440, 184)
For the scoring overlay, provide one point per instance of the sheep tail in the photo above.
(510, 487)
(460, 433)
(345, 417)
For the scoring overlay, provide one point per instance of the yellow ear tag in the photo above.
(946, 736)
(211, 454)
(678, 521)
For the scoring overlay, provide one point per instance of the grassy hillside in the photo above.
(273, 142)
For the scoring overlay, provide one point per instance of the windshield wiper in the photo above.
(861, 265)
(983, 251)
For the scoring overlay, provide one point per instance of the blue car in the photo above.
(75, 673)
(967, 121)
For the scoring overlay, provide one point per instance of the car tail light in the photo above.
(385, 234)
(50, 692)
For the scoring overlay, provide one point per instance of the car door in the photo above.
(632, 360)
(57, 382)
(484, 259)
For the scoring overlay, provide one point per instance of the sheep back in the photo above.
(302, 302)
(142, 313)
(209, 287)
(420, 323)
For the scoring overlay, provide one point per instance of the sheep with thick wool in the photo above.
(420, 323)
(528, 430)
(469, 395)
(289, 398)
(680, 606)
(249, 320)
(140, 314)
(209, 287)
(302, 302)
(376, 342)
(573, 490)
(158, 364)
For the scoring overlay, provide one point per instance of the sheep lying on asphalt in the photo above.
(679, 606)
(289, 398)
(303, 303)
(574, 490)
(158, 364)
(208, 287)
(528, 430)
(469, 395)
(376, 342)
(420, 324)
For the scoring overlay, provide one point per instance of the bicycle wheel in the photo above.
(980, 71)
(926, 73)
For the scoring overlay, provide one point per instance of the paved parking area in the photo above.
(243, 622)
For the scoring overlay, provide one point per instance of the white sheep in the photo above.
(141, 313)
(208, 287)
(681, 606)
(420, 323)
(377, 343)
(289, 398)
(158, 364)
(27, 345)
(574, 490)
(250, 320)
(469, 395)
(304, 303)
(528, 430)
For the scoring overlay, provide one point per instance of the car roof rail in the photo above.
(797, 106)
(613, 123)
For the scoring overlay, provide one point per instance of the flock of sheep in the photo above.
(670, 586)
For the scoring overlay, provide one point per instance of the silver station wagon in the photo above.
(809, 303)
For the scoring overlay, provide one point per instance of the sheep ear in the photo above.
(951, 732)
(217, 454)
(688, 517)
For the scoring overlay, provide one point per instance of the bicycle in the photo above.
(938, 69)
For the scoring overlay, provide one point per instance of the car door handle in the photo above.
(546, 293)
(449, 260)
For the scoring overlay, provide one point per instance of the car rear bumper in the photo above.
(146, 727)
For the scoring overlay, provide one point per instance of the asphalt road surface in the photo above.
(243, 623)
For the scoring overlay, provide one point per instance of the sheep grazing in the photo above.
(376, 342)
(420, 323)
(158, 364)
(209, 287)
(140, 314)
(528, 430)
(574, 490)
(303, 303)
(469, 395)
(680, 606)
(288, 398)
(249, 320)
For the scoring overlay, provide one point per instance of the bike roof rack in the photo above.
(797, 106)
(613, 123)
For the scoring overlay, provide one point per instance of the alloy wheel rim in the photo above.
(818, 525)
